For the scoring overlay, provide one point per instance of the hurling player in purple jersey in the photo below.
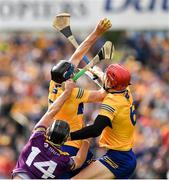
(41, 157)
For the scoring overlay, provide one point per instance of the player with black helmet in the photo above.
(41, 157)
(58, 132)
(62, 71)
(72, 110)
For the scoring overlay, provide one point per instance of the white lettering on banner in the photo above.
(24, 14)
(124, 14)
(138, 14)
(139, 6)
(39, 9)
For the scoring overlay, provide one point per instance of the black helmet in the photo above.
(62, 71)
(58, 132)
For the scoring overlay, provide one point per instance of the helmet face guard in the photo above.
(69, 72)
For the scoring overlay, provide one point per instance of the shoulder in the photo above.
(39, 129)
(51, 85)
(54, 88)
(109, 105)
(38, 132)
(110, 99)
(77, 93)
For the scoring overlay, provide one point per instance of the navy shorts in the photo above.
(73, 151)
(121, 163)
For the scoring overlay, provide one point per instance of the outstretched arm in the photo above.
(81, 154)
(93, 130)
(102, 27)
(47, 119)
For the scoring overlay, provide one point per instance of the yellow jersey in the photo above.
(119, 108)
(72, 110)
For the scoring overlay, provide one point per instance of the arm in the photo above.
(96, 96)
(47, 119)
(81, 154)
(102, 27)
(93, 130)
(87, 96)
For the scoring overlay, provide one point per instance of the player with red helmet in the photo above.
(115, 123)
(116, 78)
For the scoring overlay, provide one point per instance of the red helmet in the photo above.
(118, 76)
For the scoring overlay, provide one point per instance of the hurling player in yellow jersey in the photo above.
(72, 110)
(115, 123)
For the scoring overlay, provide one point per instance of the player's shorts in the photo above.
(73, 151)
(121, 163)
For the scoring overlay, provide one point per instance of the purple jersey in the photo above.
(40, 159)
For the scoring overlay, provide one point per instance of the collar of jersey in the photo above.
(57, 147)
(118, 92)
(58, 85)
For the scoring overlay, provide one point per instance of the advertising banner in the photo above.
(124, 14)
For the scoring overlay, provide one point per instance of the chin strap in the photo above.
(117, 92)
(106, 88)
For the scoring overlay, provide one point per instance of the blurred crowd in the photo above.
(25, 63)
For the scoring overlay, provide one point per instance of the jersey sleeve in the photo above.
(66, 162)
(80, 94)
(108, 108)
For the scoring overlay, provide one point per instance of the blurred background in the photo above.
(29, 47)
